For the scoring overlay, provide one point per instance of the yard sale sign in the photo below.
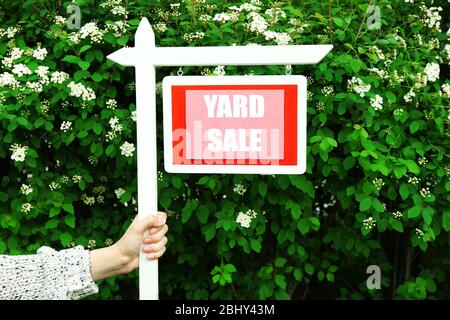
(235, 124)
(215, 124)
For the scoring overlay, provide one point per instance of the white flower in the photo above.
(108, 242)
(66, 125)
(19, 152)
(59, 77)
(377, 102)
(432, 71)
(127, 149)
(42, 71)
(34, 86)
(327, 90)
(119, 11)
(40, 53)
(119, 192)
(245, 218)
(397, 214)
(7, 79)
(446, 90)
(357, 85)
(369, 223)
(77, 178)
(26, 207)
(240, 189)
(25, 189)
(425, 192)
(111, 104)
(257, 22)
(115, 125)
(21, 70)
(89, 201)
(61, 21)
(91, 244)
(90, 30)
(222, 17)
(219, 71)
(419, 233)
(160, 26)
(409, 96)
(79, 90)
(431, 17)
(133, 116)
(54, 185)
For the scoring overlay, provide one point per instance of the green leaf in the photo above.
(391, 97)
(202, 213)
(414, 212)
(188, 210)
(65, 238)
(309, 269)
(229, 268)
(280, 280)
(255, 245)
(303, 226)
(397, 225)
(262, 188)
(404, 191)
(68, 207)
(365, 204)
(70, 221)
(51, 224)
(54, 211)
(446, 220)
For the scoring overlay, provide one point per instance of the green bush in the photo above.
(376, 191)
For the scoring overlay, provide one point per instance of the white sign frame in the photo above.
(298, 80)
(145, 57)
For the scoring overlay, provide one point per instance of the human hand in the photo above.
(122, 257)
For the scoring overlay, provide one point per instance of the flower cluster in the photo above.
(116, 128)
(377, 102)
(19, 152)
(425, 192)
(359, 86)
(432, 71)
(25, 189)
(240, 189)
(111, 104)
(419, 233)
(378, 183)
(66, 126)
(245, 218)
(431, 17)
(26, 208)
(79, 90)
(397, 214)
(409, 96)
(369, 223)
(127, 149)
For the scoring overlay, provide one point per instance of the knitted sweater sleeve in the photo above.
(49, 274)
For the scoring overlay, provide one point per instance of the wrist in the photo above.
(108, 262)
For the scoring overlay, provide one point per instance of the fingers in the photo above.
(155, 249)
(156, 255)
(151, 221)
(155, 236)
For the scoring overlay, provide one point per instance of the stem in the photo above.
(331, 20)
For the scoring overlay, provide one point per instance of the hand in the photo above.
(123, 256)
(154, 240)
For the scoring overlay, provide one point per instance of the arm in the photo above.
(70, 274)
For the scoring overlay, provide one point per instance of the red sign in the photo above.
(235, 124)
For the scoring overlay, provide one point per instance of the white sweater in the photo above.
(49, 274)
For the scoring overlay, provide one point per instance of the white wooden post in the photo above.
(145, 56)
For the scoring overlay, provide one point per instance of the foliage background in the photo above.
(315, 239)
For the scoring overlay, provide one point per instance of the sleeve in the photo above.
(47, 275)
